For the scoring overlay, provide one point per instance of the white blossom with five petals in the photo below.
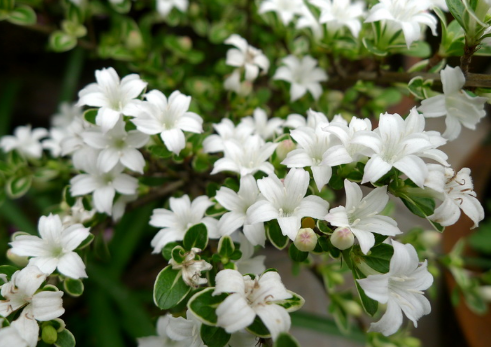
(361, 215)
(115, 97)
(25, 140)
(401, 289)
(285, 201)
(55, 248)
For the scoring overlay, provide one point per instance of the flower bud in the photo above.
(18, 260)
(342, 238)
(285, 147)
(431, 238)
(306, 240)
(485, 292)
(49, 334)
(352, 308)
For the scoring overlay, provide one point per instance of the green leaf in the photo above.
(297, 255)
(60, 41)
(480, 240)
(22, 15)
(160, 151)
(203, 304)
(274, 234)
(258, 328)
(379, 257)
(167, 250)
(178, 254)
(415, 86)
(286, 340)
(370, 46)
(18, 186)
(292, 304)
(214, 336)
(226, 248)
(90, 115)
(420, 49)
(74, 287)
(369, 305)
(421, 207)
(7, 5)
(65, 339)
(196, 237)
(169, 288)
(457, 9)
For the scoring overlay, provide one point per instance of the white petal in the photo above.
(255, 233)
(275, 317)
(174, 140)
(125, 184)
(27, 327)
(28, 245)
(261, 211)
(72, 265)
(133, 160)
(229, 281)
(376, 287)
(47, 305)
(289, 226)
(312, 206)
(375, 168)
(234, 313)
(103, 199)
(390, 321)
(73, 236)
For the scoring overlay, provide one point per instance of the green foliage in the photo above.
(286, 340)
(196, 237)
(274, 234)
(214, 336)
(203, 304)
(73, 287)
(65, 339)
(169, 289)
(297, 255)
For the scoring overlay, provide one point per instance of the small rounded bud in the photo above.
(431, 238)
(342, 238)
(18, 260)
(352, 308)
(49, 334)
(306, 240)
(285, 147)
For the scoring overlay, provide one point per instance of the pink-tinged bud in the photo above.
(342, 238)
(306, 240)
(285, 147)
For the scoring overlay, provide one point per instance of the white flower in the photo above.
(165, 6)
(339, 13)
(458, 194)
(77, 214)
(285, 201)
(249, 298)
(42, 306)
(247, 158)
(407, 15)
(348, 151)
(308, 20)
(74, 144)
(167, 117)
(185, 330)
(401, 143)
(191, 268)
(117, 146)
(362, 215)
(401, 289)
(237, 204)
(442, 4)
(103, 185)
(119, 206)
(114, 96)
(312, 144)
(55, 248)
(179, 219)
(11, 336)
(265, 128)
(67, 113)
(25, 141)
(233, 82)
(247, 264)
(459, 107)
(303, 75)
(314, 118)
(246, 56)
(162, 339)
(53, 143)
(227, 131)
(285, 9)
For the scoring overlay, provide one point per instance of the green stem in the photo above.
(72, 74)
